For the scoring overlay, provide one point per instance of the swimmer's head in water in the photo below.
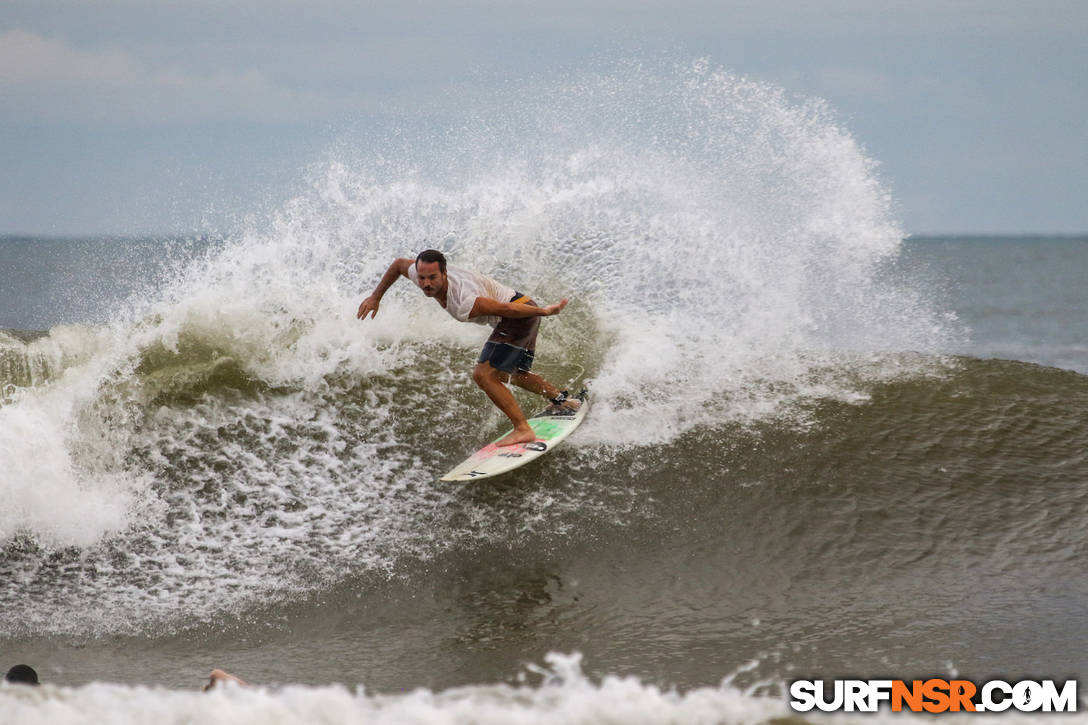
(23, 674)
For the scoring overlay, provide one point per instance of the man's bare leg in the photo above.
(536, 384)
(491, 381)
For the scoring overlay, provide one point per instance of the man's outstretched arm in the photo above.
(487, 306)
(398, 269)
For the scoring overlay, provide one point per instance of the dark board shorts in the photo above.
(512, 345)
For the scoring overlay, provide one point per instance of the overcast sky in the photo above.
(136, 116)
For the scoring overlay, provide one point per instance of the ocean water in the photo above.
(819, 447)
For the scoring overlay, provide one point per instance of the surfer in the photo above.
(507, 356)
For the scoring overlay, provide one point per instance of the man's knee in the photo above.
(483, 374)
(480, 374)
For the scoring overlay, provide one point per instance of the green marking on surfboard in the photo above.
(545, 428)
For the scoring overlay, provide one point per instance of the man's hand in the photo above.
(370, 307)
(555, 309)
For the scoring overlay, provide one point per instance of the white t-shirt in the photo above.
(464, 286)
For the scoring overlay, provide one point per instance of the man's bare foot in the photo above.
(525, 435)
(567, 407)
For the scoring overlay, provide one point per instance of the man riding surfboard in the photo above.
(508, 354)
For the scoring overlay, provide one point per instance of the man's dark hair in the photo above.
(24, 674)
(433, 255)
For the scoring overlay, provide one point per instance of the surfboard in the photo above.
(551, 425)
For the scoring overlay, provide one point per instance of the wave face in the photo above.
(236, 438)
